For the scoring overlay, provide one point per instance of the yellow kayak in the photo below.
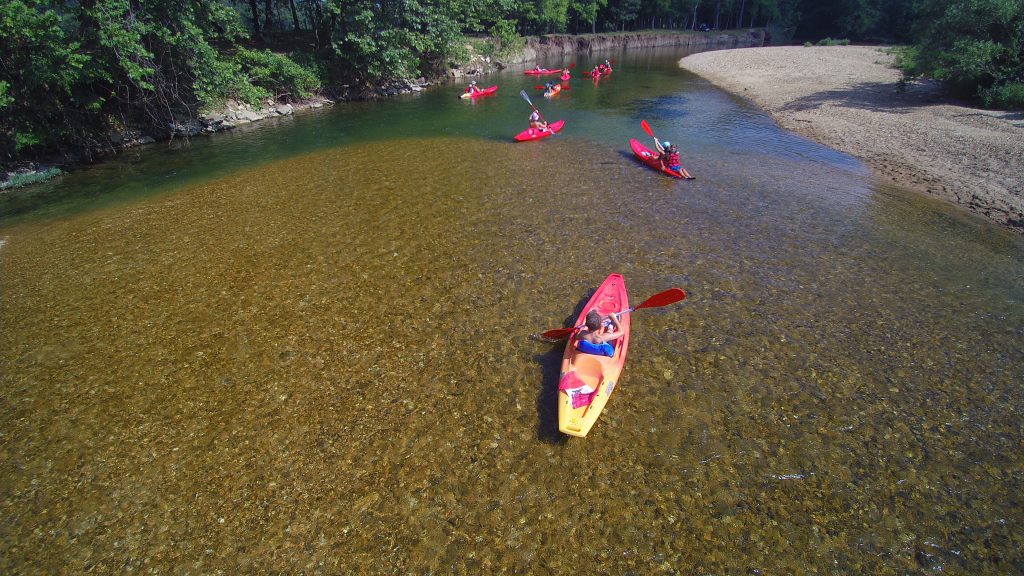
(588, 380)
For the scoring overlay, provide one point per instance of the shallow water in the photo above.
(311, 347)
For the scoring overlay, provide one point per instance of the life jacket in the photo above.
(671, 159)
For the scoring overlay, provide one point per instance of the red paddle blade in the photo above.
(540, 87)
(665, 298)
(558, 334)
(571, 66)
(647, 127)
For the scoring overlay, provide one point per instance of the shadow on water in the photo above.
(550, 364)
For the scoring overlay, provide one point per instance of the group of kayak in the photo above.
(596, 351)
(663, 158)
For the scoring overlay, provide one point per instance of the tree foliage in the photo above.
(975, 46)
(68, 70)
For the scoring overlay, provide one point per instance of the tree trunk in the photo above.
(695, 6)
(295, 15)
(255, 19)
(739, 22)
(268, 16)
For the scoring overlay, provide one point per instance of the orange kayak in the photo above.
(587, 380)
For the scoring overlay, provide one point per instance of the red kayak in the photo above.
(645, 155)
(480, 92)
(543, 71)
(535, 134)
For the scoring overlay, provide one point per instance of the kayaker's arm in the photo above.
(616, 332)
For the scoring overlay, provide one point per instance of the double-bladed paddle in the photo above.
(670, 296)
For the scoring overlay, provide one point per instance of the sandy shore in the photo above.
(849, 98)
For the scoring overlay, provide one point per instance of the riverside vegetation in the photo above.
(71, 73)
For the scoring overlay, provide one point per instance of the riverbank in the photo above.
(851, 98)
(541, 49)
(552, 49)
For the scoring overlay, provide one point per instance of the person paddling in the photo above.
(597, 338)
(536, 121)
(669, 155)
(473, 88)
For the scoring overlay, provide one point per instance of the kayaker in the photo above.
(473, 88)
(537, 122)
(597, 339)
(608, 65)
(668, 154)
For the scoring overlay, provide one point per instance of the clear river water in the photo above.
(311, 346)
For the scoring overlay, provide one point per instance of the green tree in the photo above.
(623, 12)
(976, 47)
(586, 11)
(43, 77)
(553, 15)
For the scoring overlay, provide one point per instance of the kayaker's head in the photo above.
(666, 144)
(593, 320)
(472, 83)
